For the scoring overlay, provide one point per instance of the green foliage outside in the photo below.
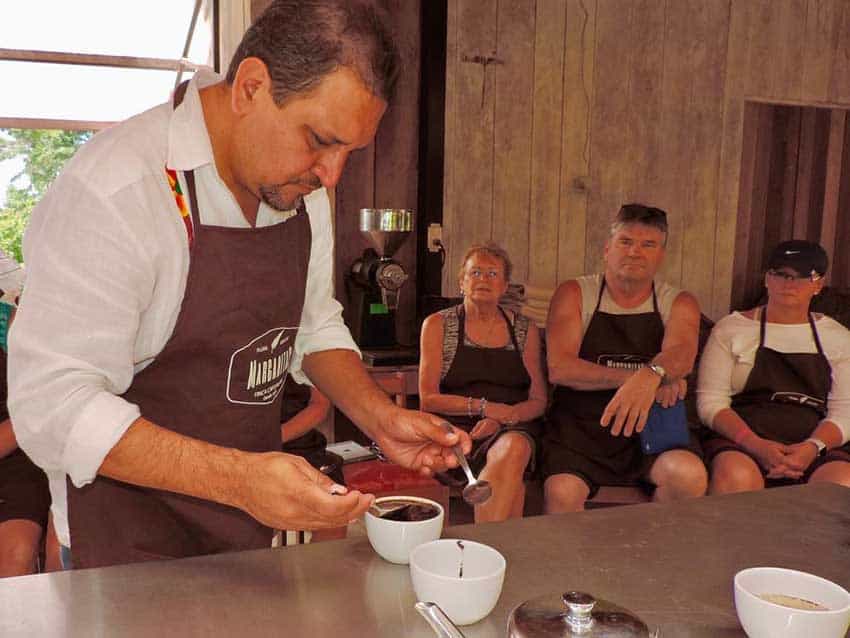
(44, 153)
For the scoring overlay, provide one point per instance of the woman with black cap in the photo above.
(774, 384)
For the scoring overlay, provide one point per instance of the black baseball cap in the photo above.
(806, 257)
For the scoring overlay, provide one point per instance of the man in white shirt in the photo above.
(155, 333)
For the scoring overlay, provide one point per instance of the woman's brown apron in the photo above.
(784, 399)
(497, 374)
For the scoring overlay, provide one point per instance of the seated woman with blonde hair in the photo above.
(774, 384)
(481, 368)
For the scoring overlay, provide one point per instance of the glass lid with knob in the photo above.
(576, 614)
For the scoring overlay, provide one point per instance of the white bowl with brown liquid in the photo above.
(394, 539)
(773, 602)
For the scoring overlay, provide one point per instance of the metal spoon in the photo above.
(438, 620)
(380, 511)
(476, 491)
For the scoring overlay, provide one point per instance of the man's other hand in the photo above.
(285, 492)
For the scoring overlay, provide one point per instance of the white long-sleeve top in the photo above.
(107, 259)
(730, 353)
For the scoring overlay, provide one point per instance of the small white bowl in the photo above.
(434, 571)
(763, 619)
(394, 540)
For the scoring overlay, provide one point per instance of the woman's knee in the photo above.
(832, 472)
(511, 449)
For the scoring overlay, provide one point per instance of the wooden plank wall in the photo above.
(642, 100)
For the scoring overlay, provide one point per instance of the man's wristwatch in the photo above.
(657, 369)
(820, 445)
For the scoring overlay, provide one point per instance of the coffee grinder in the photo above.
(373, 284)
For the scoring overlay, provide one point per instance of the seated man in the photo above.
(617, 342)
(24, 497)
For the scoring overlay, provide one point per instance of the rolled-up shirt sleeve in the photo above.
(322, 327)
(838, 403)
(72, 343)
(714, 391)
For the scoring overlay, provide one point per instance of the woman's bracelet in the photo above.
(482, 407)
(469, 406)
(742, 435)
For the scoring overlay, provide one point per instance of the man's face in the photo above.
(283, 153)
(634, 253)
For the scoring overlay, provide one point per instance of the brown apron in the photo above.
(785, 396)
(497, 374)
(218, 379)
(575, 442)
(784, 399)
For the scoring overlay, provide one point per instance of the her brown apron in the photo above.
(785, 396)
(218, 379)
(783, 400)
(499, 375)
(575, 442)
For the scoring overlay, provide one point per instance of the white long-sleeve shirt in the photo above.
(730, 353)
(107, 259)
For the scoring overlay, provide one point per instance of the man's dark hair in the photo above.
(302, 41)
(641, 214)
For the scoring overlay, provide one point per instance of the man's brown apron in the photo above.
(575, 442)
(217, 379)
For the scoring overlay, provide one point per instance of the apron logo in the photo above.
(257, 369)
(798, 398)
(622, 361)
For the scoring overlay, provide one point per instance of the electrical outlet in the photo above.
(435, 237)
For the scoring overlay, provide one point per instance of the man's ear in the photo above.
(252, 79)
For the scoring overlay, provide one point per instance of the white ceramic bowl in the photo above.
(394, 540)
(763, 619)
(434, 571)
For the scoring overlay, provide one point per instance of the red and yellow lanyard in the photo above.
(181, 203)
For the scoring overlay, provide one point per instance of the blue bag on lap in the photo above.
(666, 428)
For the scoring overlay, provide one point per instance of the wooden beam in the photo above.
(68, 125)
(94, 59)
(834, 153)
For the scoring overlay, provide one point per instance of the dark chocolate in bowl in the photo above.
(407, 511)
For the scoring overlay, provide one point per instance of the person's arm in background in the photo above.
(8, 443)
(310, 417)
(714, 399)
(430, 366)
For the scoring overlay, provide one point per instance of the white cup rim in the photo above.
(750, 570)
(415, 499)
(472, 579)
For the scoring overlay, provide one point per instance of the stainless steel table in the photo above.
(671, 564)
